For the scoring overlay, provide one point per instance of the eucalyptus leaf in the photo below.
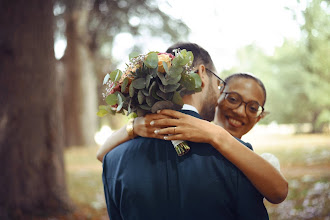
(129, 110)
(145, 107)
(133, 55)
(102, 113)
(197, 78)
(150, 101)
(188, 82)
(161, 87)
(174, 79)
(106, 78)
(145, 92)
(152, 87)
(148, 78)
(141, 97)
(121, 101)
(175, 71)
(124, 84)
(131, 90)
(152, 60)
(111, 99)
(153, 72)
(177, 99)
(162, 105)
(116, 75)
(171, 88)
(139, 83)
(165, 67)
(163, 95)
(162, 78)
(104, 107)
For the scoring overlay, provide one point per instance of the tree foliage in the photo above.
(297, 75)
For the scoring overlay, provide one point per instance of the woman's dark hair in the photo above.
(201, 56)
(247, 76)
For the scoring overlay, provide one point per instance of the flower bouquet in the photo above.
(151, 82)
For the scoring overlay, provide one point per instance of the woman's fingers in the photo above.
(166, 122)
(167, 131)
(171, 113)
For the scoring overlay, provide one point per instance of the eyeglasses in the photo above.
(252, 108)
(222, 83)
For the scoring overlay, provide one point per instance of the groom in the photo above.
(145, 179)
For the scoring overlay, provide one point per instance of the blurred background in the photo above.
(55, 54)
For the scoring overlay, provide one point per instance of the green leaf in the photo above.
(148, 78)
(150, 101)
(102, 113)
(133, 55)
(177, 99)
(152, 60)
(141, 97)
(152, 87)
(165, 67)
(162, 105)
(111, 99)
(139, 83)
(173, 79)
(115, 75)
(145, 92)
(171, 88)
(104, 107)
(153, 72)
(106, 78)
(121, 100)
(145, 107)
(124, 84)
(198, 81)
(188, 82)
(162, 78)
(131, 90)
(163, 95)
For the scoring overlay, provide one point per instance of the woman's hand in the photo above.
(143, 128)
(174, 125)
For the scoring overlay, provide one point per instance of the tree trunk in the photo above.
(80, 98)
(32, 179)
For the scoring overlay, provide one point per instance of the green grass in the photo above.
(305, 162)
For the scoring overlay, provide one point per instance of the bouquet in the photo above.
(151, 82)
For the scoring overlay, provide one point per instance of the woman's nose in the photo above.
(240, 110)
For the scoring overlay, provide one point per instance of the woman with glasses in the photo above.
(240, 107)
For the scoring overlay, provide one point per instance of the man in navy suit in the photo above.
(144, 178)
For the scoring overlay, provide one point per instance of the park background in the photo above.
(54, 55)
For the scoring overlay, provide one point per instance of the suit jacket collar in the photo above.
(192, 113)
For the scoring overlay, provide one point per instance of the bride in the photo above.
(239, 108)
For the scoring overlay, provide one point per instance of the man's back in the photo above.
(145, 179)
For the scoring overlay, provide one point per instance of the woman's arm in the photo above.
(116, 138)
(141, 127)
(267, 180)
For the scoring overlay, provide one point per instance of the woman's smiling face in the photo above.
(236, 121)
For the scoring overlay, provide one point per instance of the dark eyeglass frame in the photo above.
(222, 82)
(246, 103)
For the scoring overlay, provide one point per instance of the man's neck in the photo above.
(191, 100)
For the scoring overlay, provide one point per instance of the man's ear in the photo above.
(202, 74)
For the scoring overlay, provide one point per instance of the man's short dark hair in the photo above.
(201, 56)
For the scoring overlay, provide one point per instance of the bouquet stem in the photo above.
(181, 147)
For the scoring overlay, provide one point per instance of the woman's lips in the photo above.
(234, 122)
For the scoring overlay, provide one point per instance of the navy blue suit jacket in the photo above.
(145, 179)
